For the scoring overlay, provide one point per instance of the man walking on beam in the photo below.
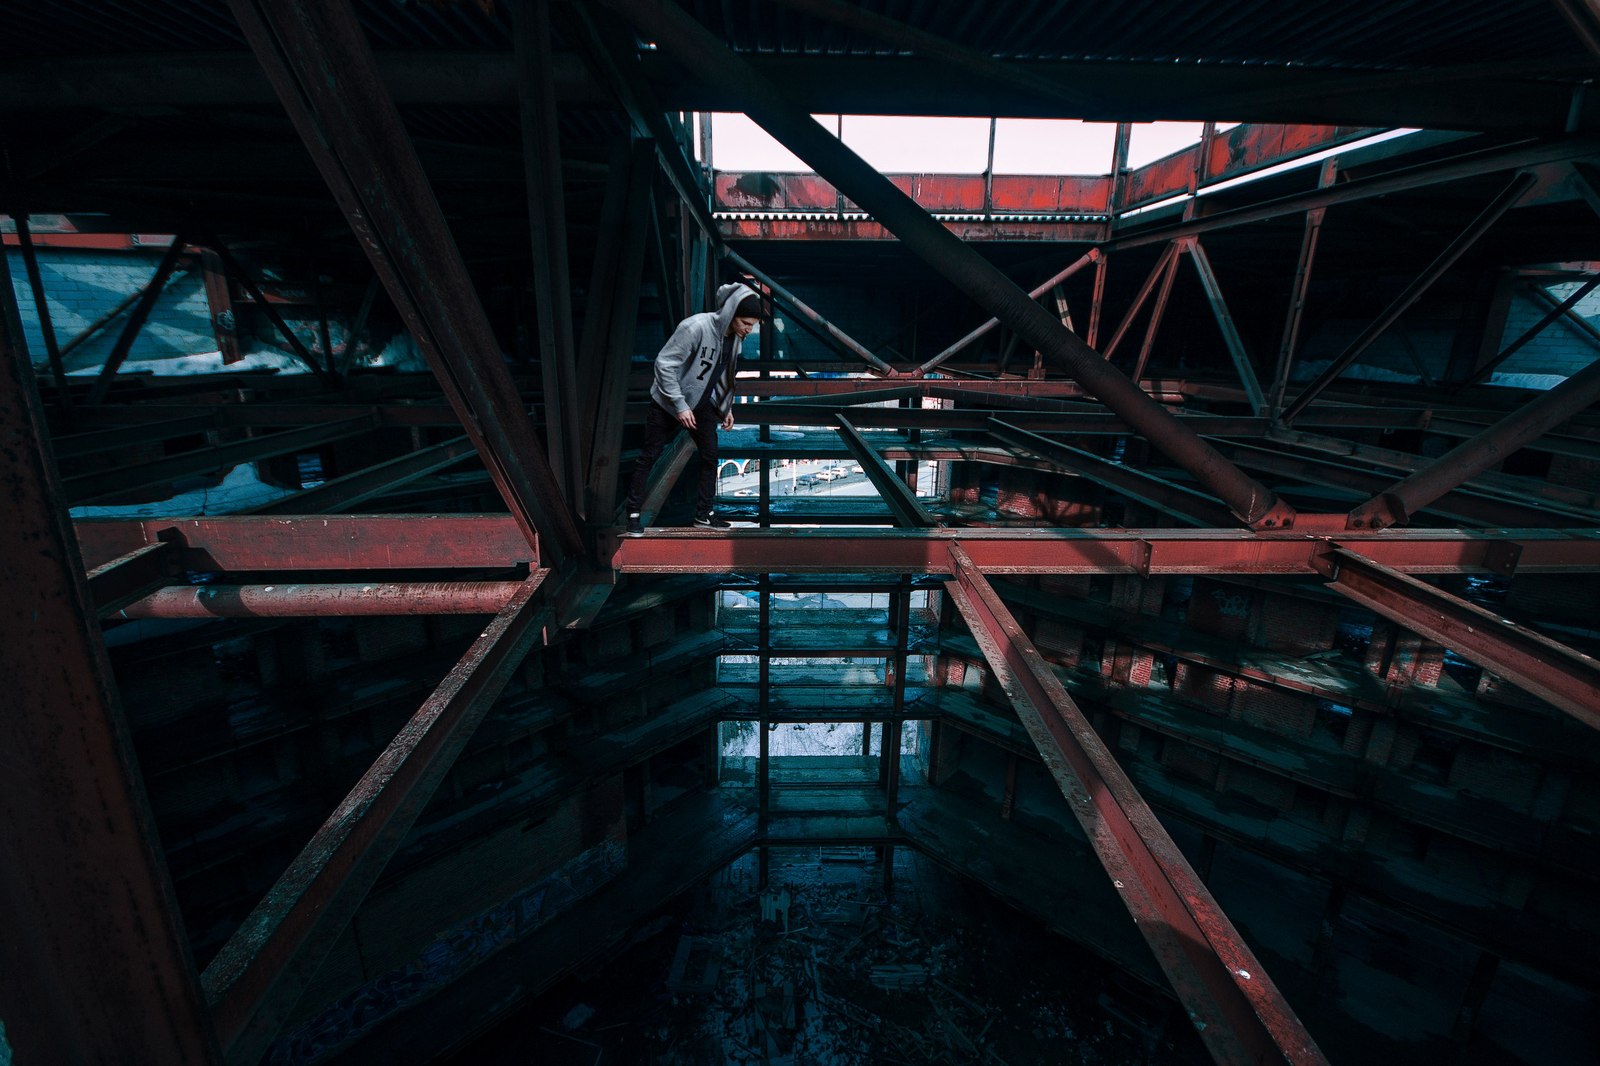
(693, 390)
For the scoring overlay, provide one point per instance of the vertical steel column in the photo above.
(764, 704)
(608, 333)
(988, 171)
(97, 966)
(1237, 1010)
(679, 35)
(30, 262)
(1503, 202)
(1302, 286)
(135, 323)
(321, 67)
(1396, 504)
(547, 224)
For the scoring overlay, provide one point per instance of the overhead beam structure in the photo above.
(679, 35)
(1232, 1003)
(322, 69)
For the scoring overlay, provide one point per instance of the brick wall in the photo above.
(80, 286)
(1562, 348)
(1284, 623)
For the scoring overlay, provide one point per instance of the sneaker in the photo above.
(712, 521)
(635, 524)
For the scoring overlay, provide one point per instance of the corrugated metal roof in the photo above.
(1335, 33)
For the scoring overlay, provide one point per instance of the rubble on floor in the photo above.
(822, 968)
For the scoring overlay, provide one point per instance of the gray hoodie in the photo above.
(685, 362)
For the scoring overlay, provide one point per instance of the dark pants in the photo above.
(660, 428)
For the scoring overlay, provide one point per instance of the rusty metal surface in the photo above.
(321, 600)
(261, 971)
(1225, 991)
(418, 542)
(1554, 672)
(350, 542)
(1069, 551)
(96, 962)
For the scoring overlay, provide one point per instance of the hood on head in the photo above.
(728, 299)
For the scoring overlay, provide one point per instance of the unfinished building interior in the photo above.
(1156, 622)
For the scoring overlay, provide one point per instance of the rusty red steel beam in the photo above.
(1397, 503)
(1076, 551)
(340, 600)
(255, 980)
(825, 228)
(345, 542)
(678, 35)
(1234, 1006)
(1554, 672)
(1405, 179)
(97, 963)
(486, 542)
(323, 71)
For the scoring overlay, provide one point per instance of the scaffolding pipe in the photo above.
(679, 35)
(323, 600)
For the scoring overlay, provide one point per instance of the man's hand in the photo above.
(686, 419)
(727, 420)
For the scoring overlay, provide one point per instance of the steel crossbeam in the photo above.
(433, 542)
(1552, 671)
(1237, 1010)
(261, 971)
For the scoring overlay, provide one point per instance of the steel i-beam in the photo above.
(262, 970)
(96, 963)
(679, 35)
(1237, 1010)
(1568, 679)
